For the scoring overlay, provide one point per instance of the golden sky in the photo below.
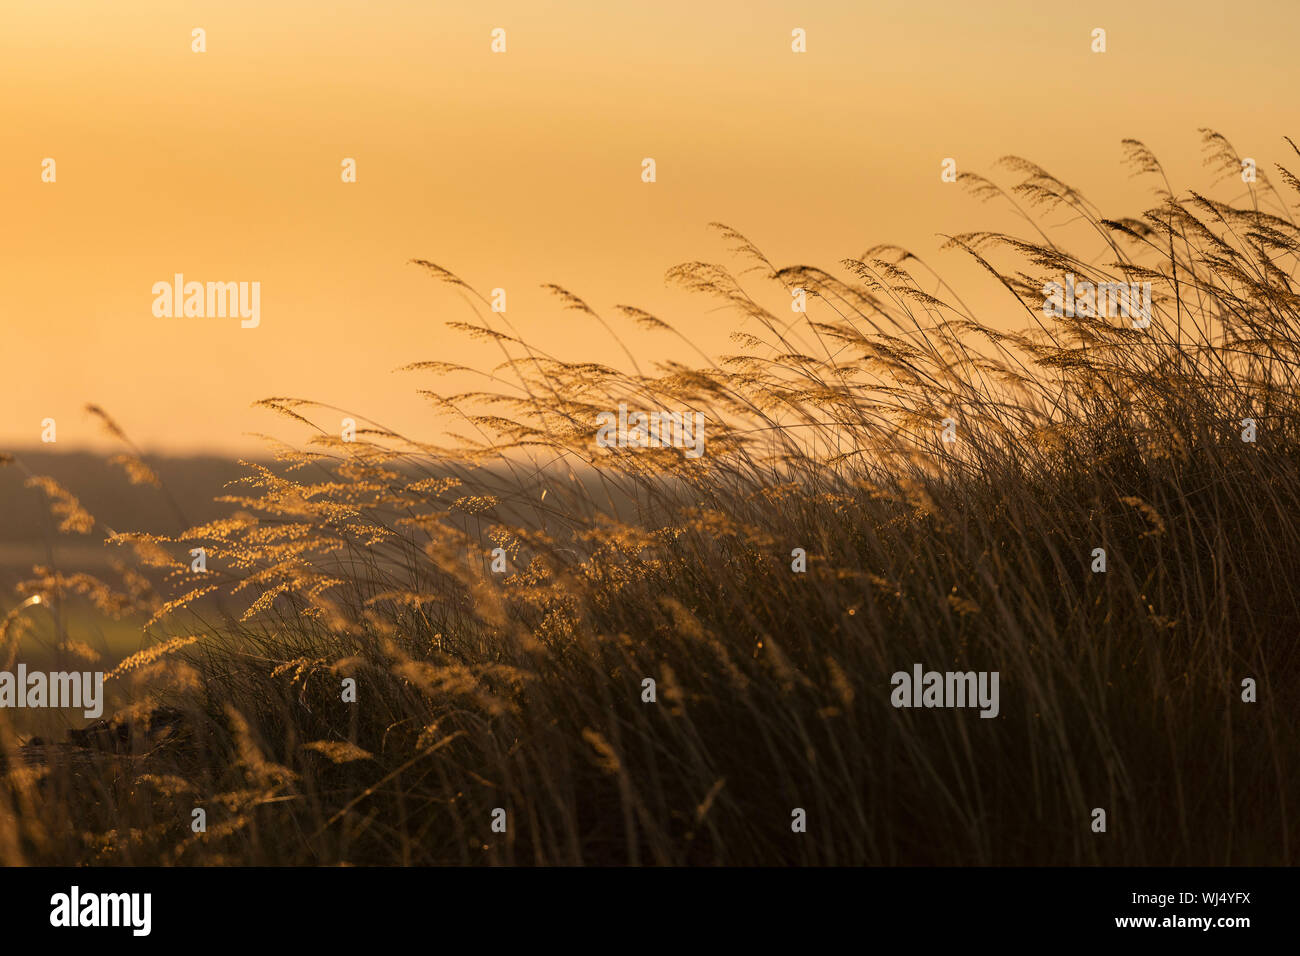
(521, 168)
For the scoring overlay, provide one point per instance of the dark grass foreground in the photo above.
(523, 690)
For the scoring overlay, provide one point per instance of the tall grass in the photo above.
(524, 690)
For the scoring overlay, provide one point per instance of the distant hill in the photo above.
(27, 528)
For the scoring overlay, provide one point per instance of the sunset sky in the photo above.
(521, 168)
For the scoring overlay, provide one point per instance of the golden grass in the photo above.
(369, 560)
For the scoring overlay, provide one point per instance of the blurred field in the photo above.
(29, 538)
(28, 532)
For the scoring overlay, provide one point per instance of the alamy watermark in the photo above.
(55, 689)
(1110, 300)
(947, 689)
(76, 908)
(198, 300)
(651, 430)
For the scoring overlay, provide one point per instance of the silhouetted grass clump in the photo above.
(524, 690)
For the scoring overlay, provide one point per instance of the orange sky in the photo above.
(521, 168)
